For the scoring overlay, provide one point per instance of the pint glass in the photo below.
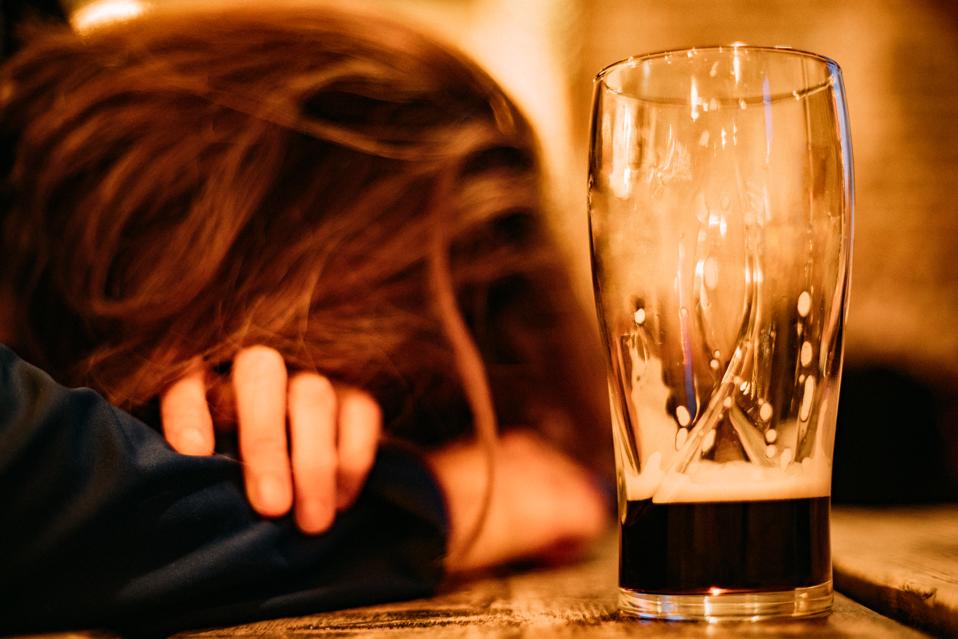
(720, 206)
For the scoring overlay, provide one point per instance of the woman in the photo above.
(327, 217)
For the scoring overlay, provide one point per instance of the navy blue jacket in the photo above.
(102, 525)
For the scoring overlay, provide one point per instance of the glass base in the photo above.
(729, 606)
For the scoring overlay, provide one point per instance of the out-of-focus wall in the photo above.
(900, 61)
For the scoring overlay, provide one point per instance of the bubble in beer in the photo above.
(709, 441)
(804, 303)
(711, 273)
(714, 364)
(639, 316)
(743, 387)
(806, 353)
(807, 397)
(742, 104)
(684, 312)
(771, 435)
(681, 437)
(727, 402)
(716, 353)
(683, 416)
(765, 412)
(713, 71)
(770, 450)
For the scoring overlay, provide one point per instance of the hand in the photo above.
(333, 434)
(543, 503)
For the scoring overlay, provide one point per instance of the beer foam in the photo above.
(708, 481)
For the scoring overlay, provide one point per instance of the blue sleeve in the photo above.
(102, 525)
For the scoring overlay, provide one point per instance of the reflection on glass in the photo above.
(720, 209)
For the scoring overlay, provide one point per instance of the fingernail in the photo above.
(271, 494)
(192, 442)
(314, 516)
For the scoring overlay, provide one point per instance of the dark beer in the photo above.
(690, 548)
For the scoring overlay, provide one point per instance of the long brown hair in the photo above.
(339, 188)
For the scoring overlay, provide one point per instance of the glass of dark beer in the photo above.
(720, 206)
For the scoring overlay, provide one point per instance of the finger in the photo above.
(187, 424)
(312, 430)
(360, 424)
(259, 383)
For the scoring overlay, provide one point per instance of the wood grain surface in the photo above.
(571, 601)
(900, 561)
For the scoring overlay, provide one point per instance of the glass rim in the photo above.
(634, 60)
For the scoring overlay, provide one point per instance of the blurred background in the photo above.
(898, 432)
(899, 414)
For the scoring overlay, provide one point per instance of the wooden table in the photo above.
(898, 562)
(902, 562)
(580, 600)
